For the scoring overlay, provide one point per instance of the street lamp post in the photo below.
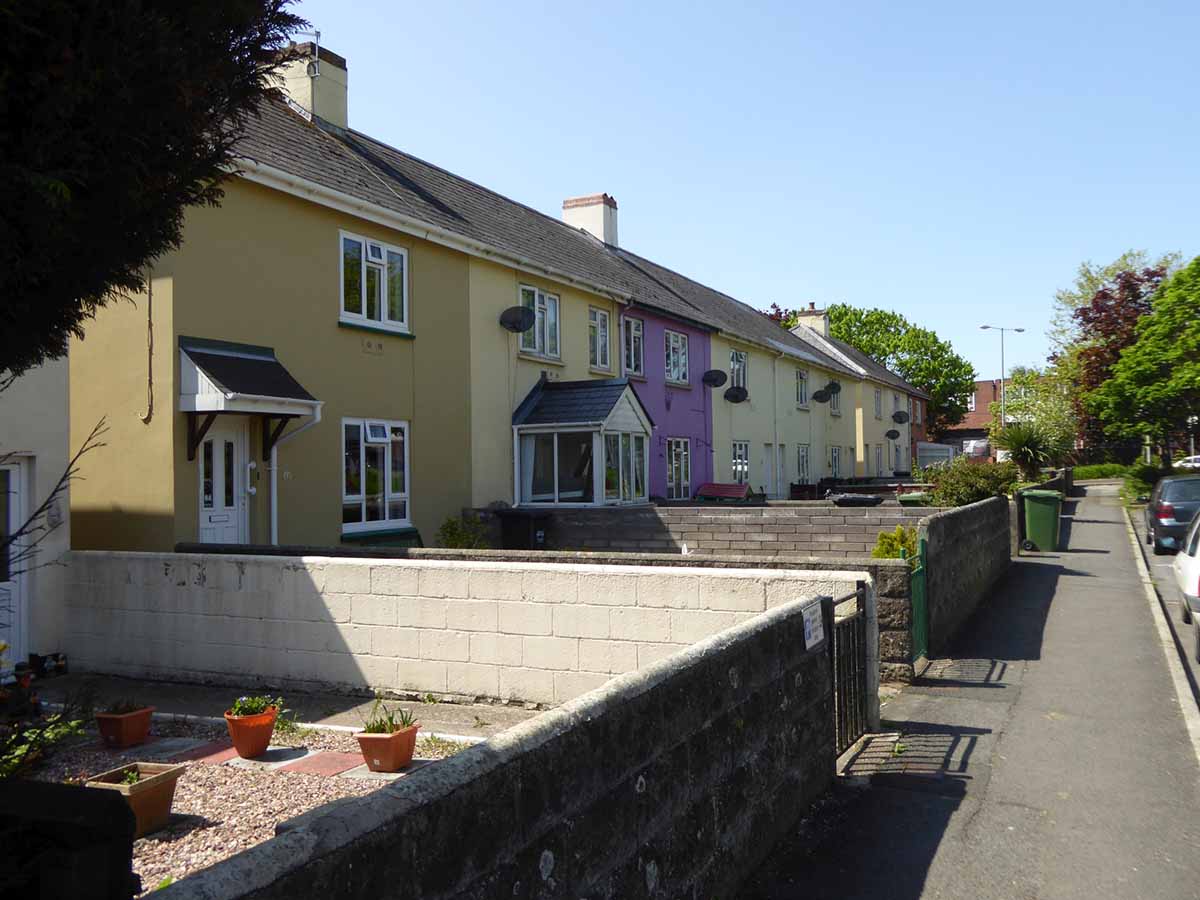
(1003, 371)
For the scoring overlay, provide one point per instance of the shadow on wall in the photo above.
(120, 529)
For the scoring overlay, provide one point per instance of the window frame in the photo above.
(676, 338)
(835, 403)
(385, 524)
(801, 388)
(970, 403)
(542, 301)
(673, 487)
(385, 322)
(739, 369)
(596, 358)
(835, 462)
(804, 463)
(599, 438)
(627, 338)
(744, 457)
(878, 403)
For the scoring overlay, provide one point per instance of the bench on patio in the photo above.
(716, 491)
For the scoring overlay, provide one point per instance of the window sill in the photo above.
(679, 385)
(375, 530)
(803, 406)
(634, 377)
(377, 329)
(541, 360)
(600, 370)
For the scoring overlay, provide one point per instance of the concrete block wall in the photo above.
(535, 632)
(674, 781)
(969, 550)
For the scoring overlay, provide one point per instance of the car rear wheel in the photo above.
(1159, 549)
(1196, 649)
(1187, 612)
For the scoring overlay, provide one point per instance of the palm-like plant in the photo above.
(1028, 446)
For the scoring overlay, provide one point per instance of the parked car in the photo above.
(1170, 509)
(1187, 576)
(1188, 462)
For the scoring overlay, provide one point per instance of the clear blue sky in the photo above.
(952, 163)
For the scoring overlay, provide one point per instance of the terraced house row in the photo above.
(357, 344)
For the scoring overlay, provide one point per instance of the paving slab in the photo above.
(273, 758)
(212, 753)
(363, 772)
(326, 762)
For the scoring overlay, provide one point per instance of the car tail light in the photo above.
(1165, 512)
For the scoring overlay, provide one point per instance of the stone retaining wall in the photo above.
(674, 781)
(513, 629)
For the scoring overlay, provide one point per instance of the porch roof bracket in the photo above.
(196, 435)
(270, 436)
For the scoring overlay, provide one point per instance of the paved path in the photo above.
(1063, 766)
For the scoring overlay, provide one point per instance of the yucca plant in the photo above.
(1028, 446)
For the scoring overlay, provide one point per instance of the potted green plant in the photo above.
(251, 722)
(388, 738)
(148, 788)
(124, 723)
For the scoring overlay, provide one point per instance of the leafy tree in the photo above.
(1042, 398)
(118, 115)
(1154, 385)
(916, 354)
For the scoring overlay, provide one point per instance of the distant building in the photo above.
(974, 426)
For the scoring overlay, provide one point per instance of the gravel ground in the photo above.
(221, 810)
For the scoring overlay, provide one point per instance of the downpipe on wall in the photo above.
(316, 419)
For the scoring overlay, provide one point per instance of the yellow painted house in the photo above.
(357, 345)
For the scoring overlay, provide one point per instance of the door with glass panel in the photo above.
(12, 619)
(224, 510)
(679, 469)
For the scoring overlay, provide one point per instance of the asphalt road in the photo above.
(1172, 600)
(1067, 767)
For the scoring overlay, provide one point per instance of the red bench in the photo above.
(716, 491)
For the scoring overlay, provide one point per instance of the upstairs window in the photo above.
(598, 338)
(677, 357)
(835, 403)
(542, 338)
(970, 403)
(738, 369)
(801, 387)
(916, 411)
(895, 403)
(878, 403)
(635, 346)
(374, 283)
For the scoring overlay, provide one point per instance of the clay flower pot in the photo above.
(150, 797)
(251, 735)
(388, 752)
(121, 730)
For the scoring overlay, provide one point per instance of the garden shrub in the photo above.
(1101, 470)
(963, 482)
(463, 533)
(889, 544)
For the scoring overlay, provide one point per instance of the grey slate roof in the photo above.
(572, 402)
(244, 369)
(873, 368)
(355, 164)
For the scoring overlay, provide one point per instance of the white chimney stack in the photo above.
(317, 79)
(596, 214)
(816, 319)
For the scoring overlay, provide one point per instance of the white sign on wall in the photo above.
(814, 624)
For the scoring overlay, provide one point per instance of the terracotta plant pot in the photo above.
(121, 730)
(388, 752)
(150, 797)
(251, 735)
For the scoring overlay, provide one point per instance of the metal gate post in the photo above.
(871, 611)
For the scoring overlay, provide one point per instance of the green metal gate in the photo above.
(920, 606)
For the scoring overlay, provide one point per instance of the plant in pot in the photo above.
(251, 722)
(148, 788)
(124, 723)
(388, 738)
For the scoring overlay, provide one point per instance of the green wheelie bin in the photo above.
(1042, 520)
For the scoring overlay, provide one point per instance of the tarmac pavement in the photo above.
(1047, 757)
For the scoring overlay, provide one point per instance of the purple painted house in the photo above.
(665, 357)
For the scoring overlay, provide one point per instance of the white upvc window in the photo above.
(899, 458)
(635, 347)
(625, 467)
(835, 403)
(375, 471)
(374, 283)
(542, 338)
(970, 403)
(679, 469)
(916, 411)
(598, 338)
(801, 387)
(740, 468)
(738, 365)
(803, 467)
(895, 403)
(878, 459)
(878, 403)
(676, 346)
(835, 461)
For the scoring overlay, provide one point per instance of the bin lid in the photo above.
(1044, 495)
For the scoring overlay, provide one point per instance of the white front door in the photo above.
(224, 513)
(13, 622)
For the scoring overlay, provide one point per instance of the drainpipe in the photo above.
(275, 470)
(775, 423)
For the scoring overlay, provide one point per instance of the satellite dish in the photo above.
(834, 387)
(892, 434)
(821, 396)
(899, 417)
(517, 319)
(714, 378)
(736, 394)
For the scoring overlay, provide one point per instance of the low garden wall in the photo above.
(968, 551)
(474, 625)
(673, 781)
(806, 528)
